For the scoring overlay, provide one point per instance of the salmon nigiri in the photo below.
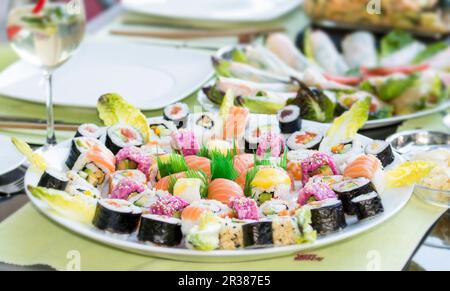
(199, 163)
(363, 166)
(223, 190)
(243, 162)
(164, 183)
(191, 215)
(235, 123)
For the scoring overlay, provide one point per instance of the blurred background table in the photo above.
(105, 14)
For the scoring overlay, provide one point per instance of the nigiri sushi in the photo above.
(164, 183)
(188, 189)
(223, 190)
(235, 123)
(366, 166)
(191, 215)
(270, 183)
(243, 162)
(199, 163)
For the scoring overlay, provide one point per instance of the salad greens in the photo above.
(114, 109)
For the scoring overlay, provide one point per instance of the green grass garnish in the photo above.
(283, 160)
(203, 152)
(222, 166)
(248, 180)
(175, 164)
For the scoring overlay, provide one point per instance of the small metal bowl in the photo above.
(410, 143)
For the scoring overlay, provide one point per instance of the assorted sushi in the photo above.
(207, 192)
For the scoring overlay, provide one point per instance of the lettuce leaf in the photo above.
(80, 208)
(113, 109)
(395, 41)
(33, 158)
(430, 51)
(346, 126)
(393, 88)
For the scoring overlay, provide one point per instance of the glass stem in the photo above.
(51, 139)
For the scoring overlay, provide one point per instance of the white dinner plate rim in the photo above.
(268, 17)
(9, 168)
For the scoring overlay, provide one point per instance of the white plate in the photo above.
(150, 77)
(393, 201)
(215, 10)
(10, 157)
(208, 105)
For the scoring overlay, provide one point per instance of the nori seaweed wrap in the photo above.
(53, 179)
(350, 189)
(258, 234)
(160, 230)
(367, 205)
(382, 150)
(327, 216)
(117, 216)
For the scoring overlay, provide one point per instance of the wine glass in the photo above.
(46, 34)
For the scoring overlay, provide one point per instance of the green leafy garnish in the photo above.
(33, 158)
(346, 126)
(430, 51)
(394, 87)
(248, 180)
(395, 41)
(114, 109)
(314, 104)
(222, 67)
(261, 104)
(222, 166)
(239, 56)
(174, 164)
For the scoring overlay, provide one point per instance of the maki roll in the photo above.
(305, 140)
(133, 158)
(85, 190)
(147, 198)
(276, 231)
(117, 216)
(231, 236)
(271, 143)
(285, 231)
(327, 216)
(244, 208)
(54, 179)
(329, 180)
(89, 130)
(382, 150)
(270, 183)
(258, 126)
(177, 113)
(204, 125)
(258, 234)
(367, 205)
(161, 230)
(127, 187)
(274, 207)
(121, 136)
(347, 190)
(313, 192)
(346, 151)
(95, 165)
(185, 142)
(317, 164)
(118, 176)
(79, 146)
(161, 131)
(289, 119)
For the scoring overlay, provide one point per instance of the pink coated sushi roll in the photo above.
(134, 158)
(318, 191)
(186, 142)
(272, 143)
(317, 164)
(168, 206)
(125, 188)
(244, 208)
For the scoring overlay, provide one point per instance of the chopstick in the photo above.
(188, 34)
(36, 125)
